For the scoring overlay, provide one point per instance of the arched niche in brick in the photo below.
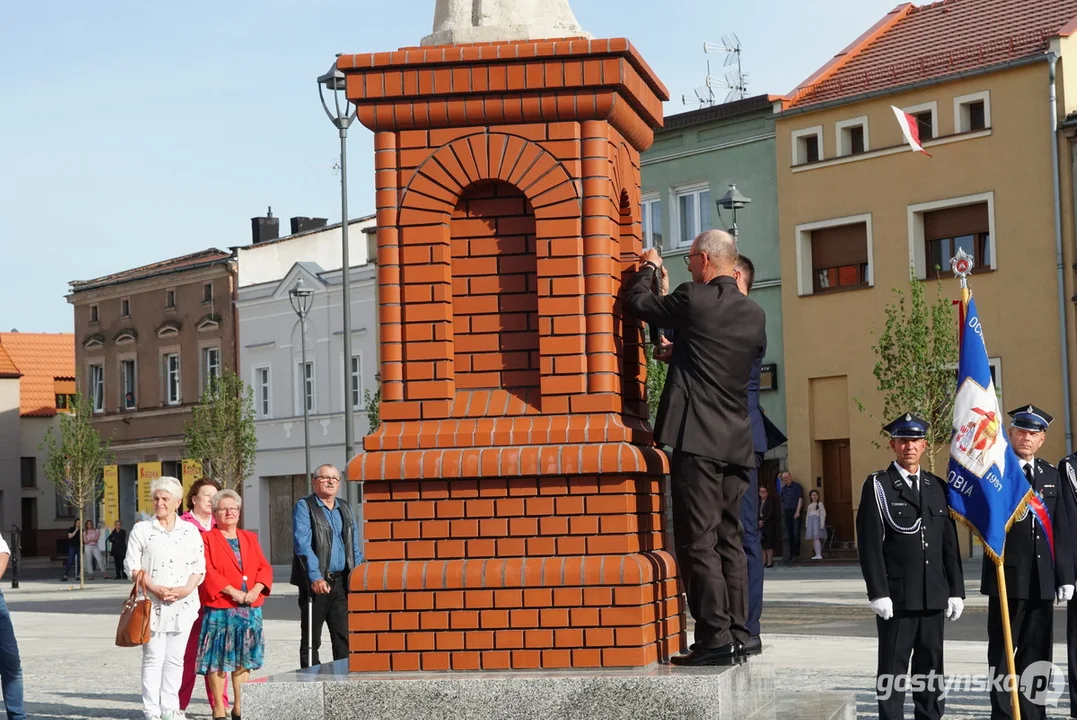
(495, 292)
(433, 215)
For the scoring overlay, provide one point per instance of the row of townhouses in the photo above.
(841, 212)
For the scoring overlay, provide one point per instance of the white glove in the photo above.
(883, 607)
(954, 607)
(1064, 593)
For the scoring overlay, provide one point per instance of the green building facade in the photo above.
(693, 161)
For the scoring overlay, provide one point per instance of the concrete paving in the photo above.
(818, 632)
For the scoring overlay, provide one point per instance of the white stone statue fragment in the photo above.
(471, 21)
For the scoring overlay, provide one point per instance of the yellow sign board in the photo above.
(192, 470)
(147, 473)
(111, 498)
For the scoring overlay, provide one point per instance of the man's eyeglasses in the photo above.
(689, 256)
(327, 478)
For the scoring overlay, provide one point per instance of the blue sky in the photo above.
(134, 131)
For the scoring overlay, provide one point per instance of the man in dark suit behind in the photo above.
(703, 416)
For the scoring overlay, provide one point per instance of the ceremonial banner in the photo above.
(147, 473)
(987, 489)
(192, 470)
(111, 497)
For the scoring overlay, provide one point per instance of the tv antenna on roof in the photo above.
(735, 81)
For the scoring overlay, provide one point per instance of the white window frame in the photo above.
(933, 106)
(97, 387)
(258, 387)
(961, 103)
(204, 365)
(917, 252)
(675, 213)
(357, 379)
(125, 301)
(803, 246)
(840, 135)
(647, 220)
(797, 135)
(123, 360)
(167, 373)
(300, 387)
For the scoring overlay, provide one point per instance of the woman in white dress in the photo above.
(169, 554)
(816, 524)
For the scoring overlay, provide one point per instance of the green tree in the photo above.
(916, 360)
(656, 381)
(372, 406)
(221, 431)
(75, 462)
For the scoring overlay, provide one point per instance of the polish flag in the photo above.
(910, 129)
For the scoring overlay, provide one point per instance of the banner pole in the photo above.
(1004, 603)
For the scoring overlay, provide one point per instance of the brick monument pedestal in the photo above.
(514, 499)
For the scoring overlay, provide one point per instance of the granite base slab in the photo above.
(809, 706)
(330, 692)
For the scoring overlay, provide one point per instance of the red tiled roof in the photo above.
(914, 43)
(41, 358)
(164, 267)
(7, 367)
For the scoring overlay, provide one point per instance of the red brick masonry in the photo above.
(514, 498)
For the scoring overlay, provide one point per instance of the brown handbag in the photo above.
(134, 627)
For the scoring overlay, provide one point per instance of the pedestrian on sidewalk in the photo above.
(200, 514)
(912, 568)
(166, 553)
(10, 665)
(326, 549)
(792, 496)
(91, 551)
(703, 417)
(770, 525)
(238, 579)
(117, 548)
(74, 550)
(816, 530)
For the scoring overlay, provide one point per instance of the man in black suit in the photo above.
(912, 568)
(1034, 580)
(703, 416)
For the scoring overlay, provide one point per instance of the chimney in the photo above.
(265, 228)
(306, 224)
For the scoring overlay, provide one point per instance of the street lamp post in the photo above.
(301, 298)
(732, 201)
(342, 113)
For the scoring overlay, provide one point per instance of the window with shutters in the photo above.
(939, 228)
(840, 258)
(834, 255)
(966, 227)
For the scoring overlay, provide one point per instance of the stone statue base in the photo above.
(479, 21)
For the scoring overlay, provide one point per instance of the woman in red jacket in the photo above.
(238, 577)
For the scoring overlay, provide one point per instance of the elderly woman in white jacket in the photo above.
(168, 555)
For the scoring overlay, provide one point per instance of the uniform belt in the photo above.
(333, 575)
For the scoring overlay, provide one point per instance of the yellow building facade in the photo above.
(858, 209)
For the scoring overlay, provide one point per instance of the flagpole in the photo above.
(962, 266)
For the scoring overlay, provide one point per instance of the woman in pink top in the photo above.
(200, 514)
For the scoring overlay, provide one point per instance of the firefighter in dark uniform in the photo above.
(912, 566)
(1067, 471)
(1034, 580)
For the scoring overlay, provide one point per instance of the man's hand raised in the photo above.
(650, 255)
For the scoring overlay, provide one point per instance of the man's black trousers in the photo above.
(710, 557)
(331, 609)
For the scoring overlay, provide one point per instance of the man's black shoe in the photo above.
(722, 655)
(754, 646)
